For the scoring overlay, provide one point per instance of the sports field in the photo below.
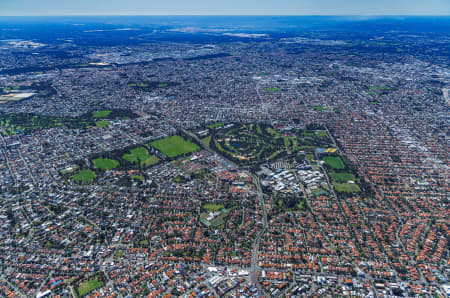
(88, 286)
(272, 89)
(319, 108)
(346, 187)
(102, 123)
(84, 176)
(101, 114)
(105, 163)
(216, 125)
(334, 162)
(342, 177)
(206, 141)
(174, 146)
(321, 133)
(212, 207)
(140, 155)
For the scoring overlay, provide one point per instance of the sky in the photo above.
(224, 7)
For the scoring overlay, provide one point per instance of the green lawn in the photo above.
(162, 85)
(258, 129)
(212, 207)
(102, 123)
(69, 169)
(88, 286)
(174, 146)
(105, 163)
(342, 177)
(307, 133)
(143, 85)
(138, 177)
(18, 123)
(271, 89)
(220, 219)
(216, 125)
(321, 133)
(84, 176)
(101, 114)
(310, 157)
(118, 254)
(319, 108)
(140, 155)
(272, 131)
(380, 88)
(206, 141)
(334, 162)
(143, 242)
(346, 187)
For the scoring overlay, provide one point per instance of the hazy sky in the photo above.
(225, 7)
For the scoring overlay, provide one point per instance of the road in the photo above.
(263, 104)
(254, 261)
(255, 249)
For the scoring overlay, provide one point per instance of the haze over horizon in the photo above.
(231, 7)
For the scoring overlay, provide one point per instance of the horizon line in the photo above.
(231, 15)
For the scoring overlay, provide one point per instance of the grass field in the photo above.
(271, 89)
(272, 131)
(307, 133)
(118, 254)
(69, 169)
(101, 114)
(138, 177)
(342, 177)
(334, 162)
(84, 176)
(88, 286)
(216, 125)
(380, 88)
(310, 157)
(258, 142)
(346, 187)
(102, 123)
(212, 207)
(174, 146)
(319, 108)
(258, 129)
(206, 141)
(321, 133)
(140, 155)
(220, 219)
(105, 163)
(18, 123)
(162, 85)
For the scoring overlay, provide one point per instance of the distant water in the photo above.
(248, 23)
(133, 30)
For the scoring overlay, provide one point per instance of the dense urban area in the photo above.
(182, 161)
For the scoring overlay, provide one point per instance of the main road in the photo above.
(255, 249)
(260, 195)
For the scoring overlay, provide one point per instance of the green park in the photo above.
(174, 146)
